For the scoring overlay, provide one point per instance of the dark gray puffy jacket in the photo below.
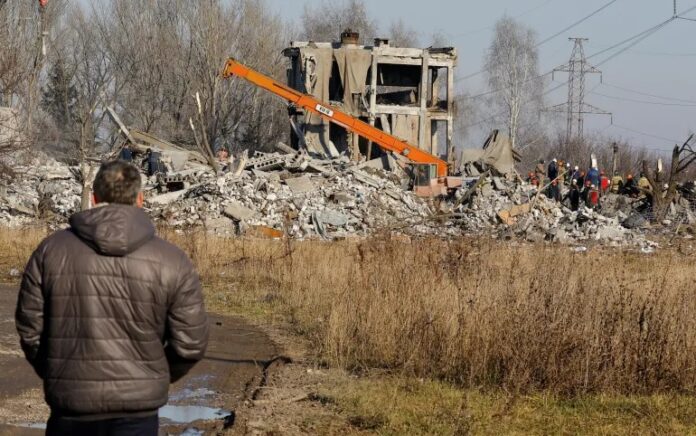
(108, 314)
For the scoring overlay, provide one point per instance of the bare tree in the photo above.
(663, 186)
(25, 37)
(512, 67)
(165, 52)
(85, 82)
(146, 59)
(326, 21)
(402, 35)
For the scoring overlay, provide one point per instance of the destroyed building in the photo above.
(407, 92)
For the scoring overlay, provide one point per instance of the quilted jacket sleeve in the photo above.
(29, 315)
(187, 322)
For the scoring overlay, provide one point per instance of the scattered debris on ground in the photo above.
(290, 193)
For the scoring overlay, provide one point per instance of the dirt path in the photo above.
(235, 365)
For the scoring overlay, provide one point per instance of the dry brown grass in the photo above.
(16, 245)
(475, 312)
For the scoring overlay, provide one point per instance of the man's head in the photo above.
(118, 182)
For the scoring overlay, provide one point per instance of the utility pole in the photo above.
(576, 108)
(614, 158)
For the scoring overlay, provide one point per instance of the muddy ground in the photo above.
(239, 363)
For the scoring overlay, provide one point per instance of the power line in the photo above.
(649, 135)
(520, 15)
(619, 44)
(657, 103)
(637, 37)
(580, 21)
(474, 97)
(648, 94)
(633, 44)
(652, 53)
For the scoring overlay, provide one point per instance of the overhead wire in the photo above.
(652, 53)
(632, 44)
(646, 94)
(656, 103)
(649, 135)
(555, 35)
(634, 40)
(580, 21)
(520, 15)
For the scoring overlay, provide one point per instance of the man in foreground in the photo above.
(109, 314)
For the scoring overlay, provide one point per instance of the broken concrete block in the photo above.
(239, 212)
(332, 217)
(635, 221)
(486, 190)
(505, 218)
(499, 184)
(520, 209)
(366, 179)
(21, 209)
(342, 198)
(610, 233)
(300, 185)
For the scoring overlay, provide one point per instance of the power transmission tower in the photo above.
(575, 107)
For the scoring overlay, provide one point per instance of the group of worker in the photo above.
(151, 162)
(583, 187)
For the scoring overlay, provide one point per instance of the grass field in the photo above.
(469, 336)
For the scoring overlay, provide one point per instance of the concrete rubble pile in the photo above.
(510, 209)
(41, 189)
(292, 194)
(296, 195)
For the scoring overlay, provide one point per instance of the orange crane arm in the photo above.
(334, 115)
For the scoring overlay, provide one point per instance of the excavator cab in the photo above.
(423, 174)
(425, 180)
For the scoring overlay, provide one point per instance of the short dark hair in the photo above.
(117, 182)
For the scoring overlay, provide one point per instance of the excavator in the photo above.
(430, 172)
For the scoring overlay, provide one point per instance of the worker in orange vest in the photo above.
(593, 197)
(605, 183)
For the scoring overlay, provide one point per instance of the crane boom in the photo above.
(384, 140)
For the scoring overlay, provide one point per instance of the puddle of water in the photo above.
(174, 414)
(186, 394)
(187, 414)
(38, 425)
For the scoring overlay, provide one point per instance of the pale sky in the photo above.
(662, 65)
